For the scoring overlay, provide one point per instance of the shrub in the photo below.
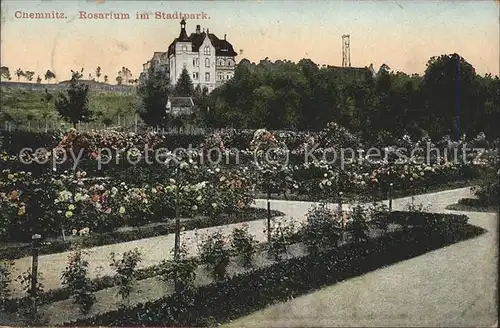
(243, 244)
(5, 281)
(25, 280)
(75, 279)
(323, 229)
(488, 190)
(214, 254)
(125, 271)
(222, 301)
(412, 206)
(281, 236)
(358, 223)
(181, 270)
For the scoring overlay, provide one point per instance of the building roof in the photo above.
(181, 101)
(222, 47)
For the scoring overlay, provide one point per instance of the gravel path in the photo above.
(156, 249)
(453, 286)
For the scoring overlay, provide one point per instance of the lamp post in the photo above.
(35, 243)
(340, 202)
(268, 218)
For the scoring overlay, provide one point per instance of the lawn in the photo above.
(21, 106)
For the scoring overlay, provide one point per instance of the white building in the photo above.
(209, 60)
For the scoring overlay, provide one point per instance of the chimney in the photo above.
(225, 36)
(197, 29)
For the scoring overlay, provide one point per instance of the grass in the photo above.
(21, 105)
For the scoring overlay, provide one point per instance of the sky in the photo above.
(402, 34)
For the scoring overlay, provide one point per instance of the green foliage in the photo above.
(243, 244)
(222, 301)
(180, 269)
(214, 254)
(282, 235)
(285, 95)
(74, 106)
(358, 223)
(323, 230)
(49, 75)
(5, 73)
(488, 191)
(125, 271)
(184, 86)
(5, 281)
(154, 90)
(25, 280)
(412, 206)
(75, 279)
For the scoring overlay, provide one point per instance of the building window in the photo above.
(221, 62)
(228, 77)
(220, 76)
(207, 62)
(229, 62)
(194, 62)
(207, 77)
(207, 50)
(195, 76)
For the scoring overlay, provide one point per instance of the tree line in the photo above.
(449, 99)
(124, 76)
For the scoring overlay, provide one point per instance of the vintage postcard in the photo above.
(249, 163)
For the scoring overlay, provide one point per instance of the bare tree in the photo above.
(98, 72)
(19, 73)
(49, 75)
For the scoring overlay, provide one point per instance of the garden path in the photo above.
(454, 286)
(156, 249)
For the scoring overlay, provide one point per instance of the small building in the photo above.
(177, 106)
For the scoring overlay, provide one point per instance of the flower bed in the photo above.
(54, 205)
(57, 245)
(236, 296)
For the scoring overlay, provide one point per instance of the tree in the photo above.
(119, 79)
(74, 105)
(49, 75)
(38, 79)
(29, 75)
(125, 74)
(105, 79)
(98, 72)
(154, 91)
(5, 73)
(184, 86)
(451, 91)
(19, 73)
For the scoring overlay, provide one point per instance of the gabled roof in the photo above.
(222, 47)
(181, 101)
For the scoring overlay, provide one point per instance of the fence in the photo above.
(125, 124)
